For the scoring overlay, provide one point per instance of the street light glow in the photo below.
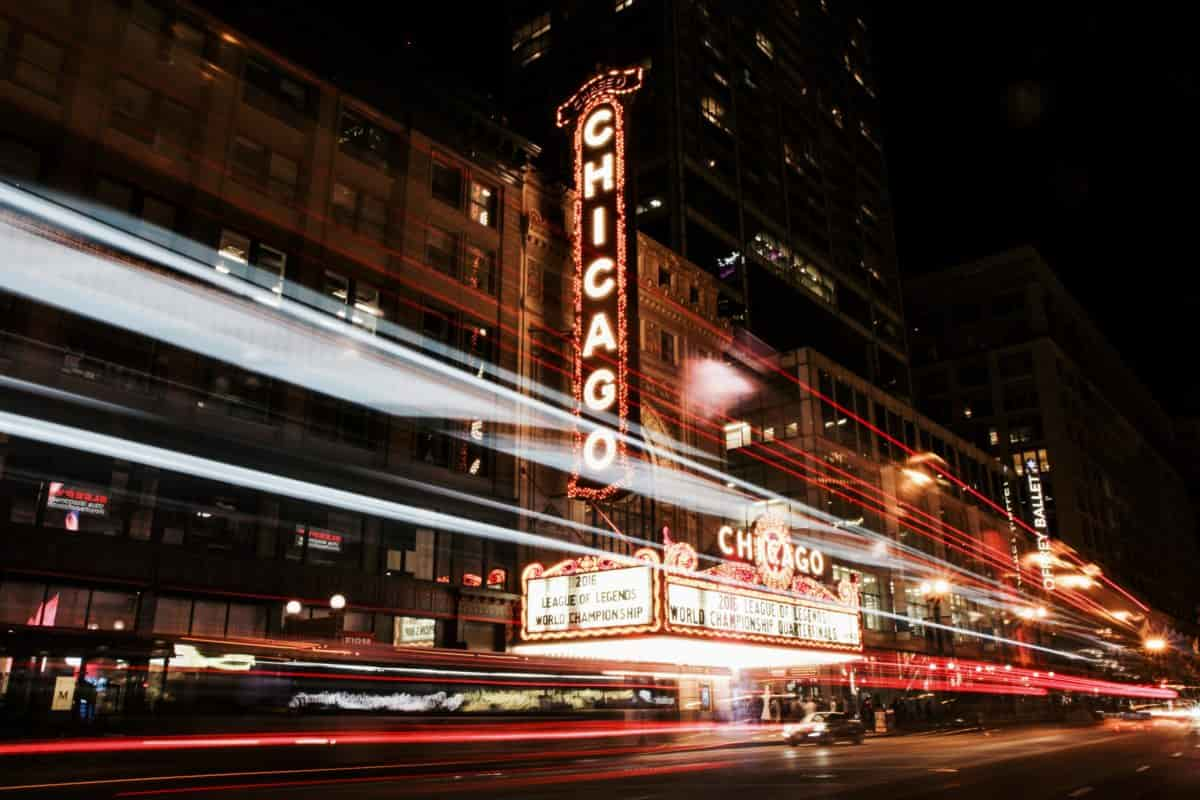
(337, 602)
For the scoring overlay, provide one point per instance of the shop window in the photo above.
(172, 615)
(246, 620)
(447, 183)
(66, 607)
(112, 611)
(484, 202)
(418, 562)
(21, 602)
(208, 618)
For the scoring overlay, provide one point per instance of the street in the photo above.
(1049, 762)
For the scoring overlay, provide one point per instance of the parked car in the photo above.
(825, 728)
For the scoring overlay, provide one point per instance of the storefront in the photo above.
(769, 613)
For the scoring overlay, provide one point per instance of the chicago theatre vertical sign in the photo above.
(605, 283)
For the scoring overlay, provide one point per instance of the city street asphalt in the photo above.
(1030, 763)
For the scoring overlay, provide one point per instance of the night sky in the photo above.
(1070, 126)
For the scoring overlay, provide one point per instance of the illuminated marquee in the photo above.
(589, 597)
(601, 246)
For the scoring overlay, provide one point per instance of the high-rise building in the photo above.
(756, 153)
(1006, 356)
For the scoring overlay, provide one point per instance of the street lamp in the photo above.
(337, 602)
(292, 608)
(1155, 644)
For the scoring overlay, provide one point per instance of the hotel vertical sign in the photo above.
(605, 289)
(1041, 526)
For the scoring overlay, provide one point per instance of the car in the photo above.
(825, 728)
(1131, 721)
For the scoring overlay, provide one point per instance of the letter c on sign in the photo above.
(607, 443)
(598, 290)
(723, 540)
(600, 390)
(593, 134)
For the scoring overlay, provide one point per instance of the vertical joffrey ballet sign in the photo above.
(605, 283)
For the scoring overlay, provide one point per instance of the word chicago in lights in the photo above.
(769, 602)
(603, 304)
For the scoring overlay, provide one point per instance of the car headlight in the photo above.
(818, 726)
(788, 730)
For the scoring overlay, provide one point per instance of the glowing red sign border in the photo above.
(605, 89)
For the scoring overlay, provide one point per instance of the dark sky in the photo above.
(1067, 125)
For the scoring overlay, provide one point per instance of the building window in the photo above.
(764, 44)
(667, 347)
(275, 173)
(621, 5)
(359, 211)
(279, 94)
(993, 436)
(694, 295)
(441, 250)
(768, 434)
(447, 183)
(251, 260)
(365, 309)
(714, 111)
(483, 204)
(791, 430)
(480, 271)
(367, 141)
(737, 434)
(531, 40)
(153, 119)
(664, 278)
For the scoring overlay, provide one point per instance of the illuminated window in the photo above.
(768, 434)
(251, 260)
(621, 5)
(737, 434)
(480, 271)
(531, 40)
(719, 78)
(714, 111)
(483, 204)
(764, 44)
(791, 430)
(447, 184)
(993, 436)
(838, 117)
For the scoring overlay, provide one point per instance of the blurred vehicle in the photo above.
(825, 728)
(1131, 721)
